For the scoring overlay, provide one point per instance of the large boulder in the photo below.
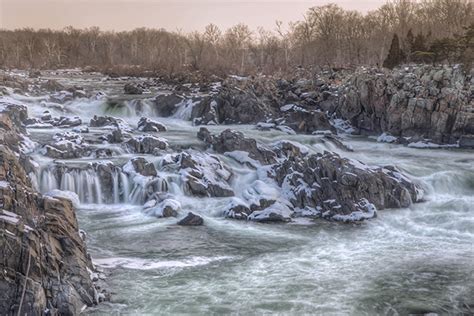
(191, 220)
(237, 145)
(333, 187)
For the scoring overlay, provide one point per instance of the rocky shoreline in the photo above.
(45, 266)
(53, 159)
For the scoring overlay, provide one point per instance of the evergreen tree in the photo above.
(395, 55)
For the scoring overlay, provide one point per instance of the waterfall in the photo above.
(86, 184)
(92, 187)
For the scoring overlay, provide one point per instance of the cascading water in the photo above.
(86, 184)
(417, 260)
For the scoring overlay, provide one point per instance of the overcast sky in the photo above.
(186, 15)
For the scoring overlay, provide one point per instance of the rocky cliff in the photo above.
(44, 265)
(434, 103)
(416, 103)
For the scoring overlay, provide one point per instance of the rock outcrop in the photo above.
(424, 102)
(45, 266)
(238, 146)
(333, 187)
(203, 174)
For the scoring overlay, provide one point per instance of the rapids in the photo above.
(407, 261)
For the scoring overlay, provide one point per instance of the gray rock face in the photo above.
(42, 252)
(233, 141)
(66, 146)
(233, 106)
(466, 141)
(191, 220)
(143, 167)
(426, 102)
(148, 125)
(130, 88)
(102, 121)
(147, 144)
(163, 206)
(166, 105)
(204, 174)
(342, 189)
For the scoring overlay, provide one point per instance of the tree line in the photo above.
(327, 36)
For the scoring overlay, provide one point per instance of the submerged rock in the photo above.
(191, 220)
(67, 145)
(339, 188)
(165, 208)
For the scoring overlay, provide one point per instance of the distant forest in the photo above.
(428, 31)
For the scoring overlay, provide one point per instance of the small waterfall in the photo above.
(95, 187)
(125, 187)
(87, 184)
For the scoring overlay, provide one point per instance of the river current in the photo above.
(416, 260)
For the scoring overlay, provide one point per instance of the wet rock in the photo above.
(115, 137)
(101, 121)
(233, 141)
(233, 106)
(143, 167)
(239, 209)
(43, 254)
(307, 122)
(66, 146)
(167, 105)
(204, 174)
(108, 121)
(191, 220)
(466, 141)
(52, 85)
(149, 125)
(131, 88)
(276, 213)
(147, 144)
(333, 187)
(165, 208)
(68, 122)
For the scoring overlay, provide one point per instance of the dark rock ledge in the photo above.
(44, 264)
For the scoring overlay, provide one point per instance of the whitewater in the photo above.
(416, 260)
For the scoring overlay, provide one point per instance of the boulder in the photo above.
(147, 144)
(165, 208)
(333, 187)
(67, 145)
(148, 125)
(191, 220)
(143, 167)
(204, 174)
(131, 88)
(232, 141)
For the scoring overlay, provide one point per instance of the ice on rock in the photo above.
(166, 208)
(386, 138)
(71, 196)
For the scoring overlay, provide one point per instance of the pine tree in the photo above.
(395, 55)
